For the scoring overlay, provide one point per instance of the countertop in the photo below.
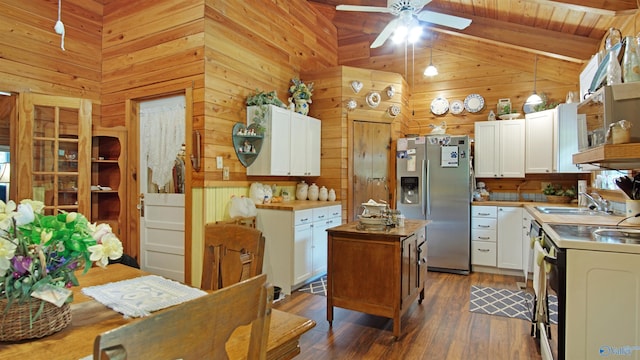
(295, 205)
(390, 233)
(597, 220)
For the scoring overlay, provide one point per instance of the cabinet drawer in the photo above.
(483, 235)
(302, 217)
(334, 211)
(484, 211)
(321, 213)
(483, 253)
(483, 224)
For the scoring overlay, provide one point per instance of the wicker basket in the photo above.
(15, 321)
(555, 199)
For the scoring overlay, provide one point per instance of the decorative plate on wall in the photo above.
(457, 107)
(474, 103)
(373, 99)
(439, 106)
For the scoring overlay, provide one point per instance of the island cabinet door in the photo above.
(410, 276)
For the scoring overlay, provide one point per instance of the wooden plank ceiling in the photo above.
(570, 30)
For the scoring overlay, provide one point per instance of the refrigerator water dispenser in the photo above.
(409, 190)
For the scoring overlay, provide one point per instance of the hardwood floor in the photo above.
(440, 328)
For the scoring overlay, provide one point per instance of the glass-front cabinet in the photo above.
(54, 152)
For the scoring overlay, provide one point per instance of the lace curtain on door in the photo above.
(162, 125)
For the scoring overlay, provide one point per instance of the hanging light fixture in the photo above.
(534, 99)
(431, 70)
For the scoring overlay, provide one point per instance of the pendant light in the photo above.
(59, 27)
(534, 99)
(431, 70)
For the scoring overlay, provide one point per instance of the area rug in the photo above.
(318, 287)
(509, 303)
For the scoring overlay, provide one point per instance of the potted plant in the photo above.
(300, 95)
(261, 99)
(39, 255)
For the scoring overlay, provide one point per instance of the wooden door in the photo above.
(371, 149)
(54, 152)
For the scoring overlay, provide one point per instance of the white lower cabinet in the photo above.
(296, 243)
(483, 235)
(527, 252)
(496, 236)
(603, 305)
(510, 237)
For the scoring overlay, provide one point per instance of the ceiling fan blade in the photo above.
(386, 32)
(443, 19)
(363, 8)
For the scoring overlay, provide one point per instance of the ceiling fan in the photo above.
(408, 13)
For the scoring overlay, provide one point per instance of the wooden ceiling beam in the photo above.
(599, 7)
(564, 46)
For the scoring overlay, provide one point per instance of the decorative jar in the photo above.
(332, 195)
(323, 195)
(301, 191)
(313, 192)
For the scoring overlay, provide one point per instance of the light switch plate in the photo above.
(225, 173)
(219, 164)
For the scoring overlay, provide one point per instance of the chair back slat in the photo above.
(197, 329)
(232, 253)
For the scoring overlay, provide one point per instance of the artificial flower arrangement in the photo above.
(39, 253)
(300, 90)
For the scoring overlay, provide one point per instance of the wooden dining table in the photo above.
(90, 318)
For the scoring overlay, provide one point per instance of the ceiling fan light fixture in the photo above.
(414, 34)
(400, 34)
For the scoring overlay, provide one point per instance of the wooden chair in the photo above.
(197, 329)
(232, 253)
(249, 221)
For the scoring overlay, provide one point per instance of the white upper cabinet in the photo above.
(499, 148)
(291, 145)
(551, 141)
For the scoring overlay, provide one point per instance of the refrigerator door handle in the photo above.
(423, 188)
(428, 189)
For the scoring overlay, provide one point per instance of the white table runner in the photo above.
(140, 296)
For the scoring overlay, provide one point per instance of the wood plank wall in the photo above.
(256, 45)
(466, 67)
(333, 92)
(30, 54)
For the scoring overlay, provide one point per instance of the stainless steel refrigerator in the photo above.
(434, 183)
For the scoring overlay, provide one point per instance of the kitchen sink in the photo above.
(560, 210)
(597, 233)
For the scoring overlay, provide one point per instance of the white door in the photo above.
(162, 216)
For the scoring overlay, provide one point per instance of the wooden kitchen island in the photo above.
(376, 272)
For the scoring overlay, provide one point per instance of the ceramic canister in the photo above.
(332, 195)
(313, 192)
(301, 191)
(323, 195)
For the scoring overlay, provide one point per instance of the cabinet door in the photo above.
(527, 253)
(54, 148)
(409, 279)
(540, 145)
(510, 237)
(298, 153)
(302, 253)
(485, 149)
(511, 151)
(274, 158)
(314, 135)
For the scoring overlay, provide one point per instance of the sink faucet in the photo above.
(598, 202)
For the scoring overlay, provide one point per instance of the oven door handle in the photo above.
(551, 260)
